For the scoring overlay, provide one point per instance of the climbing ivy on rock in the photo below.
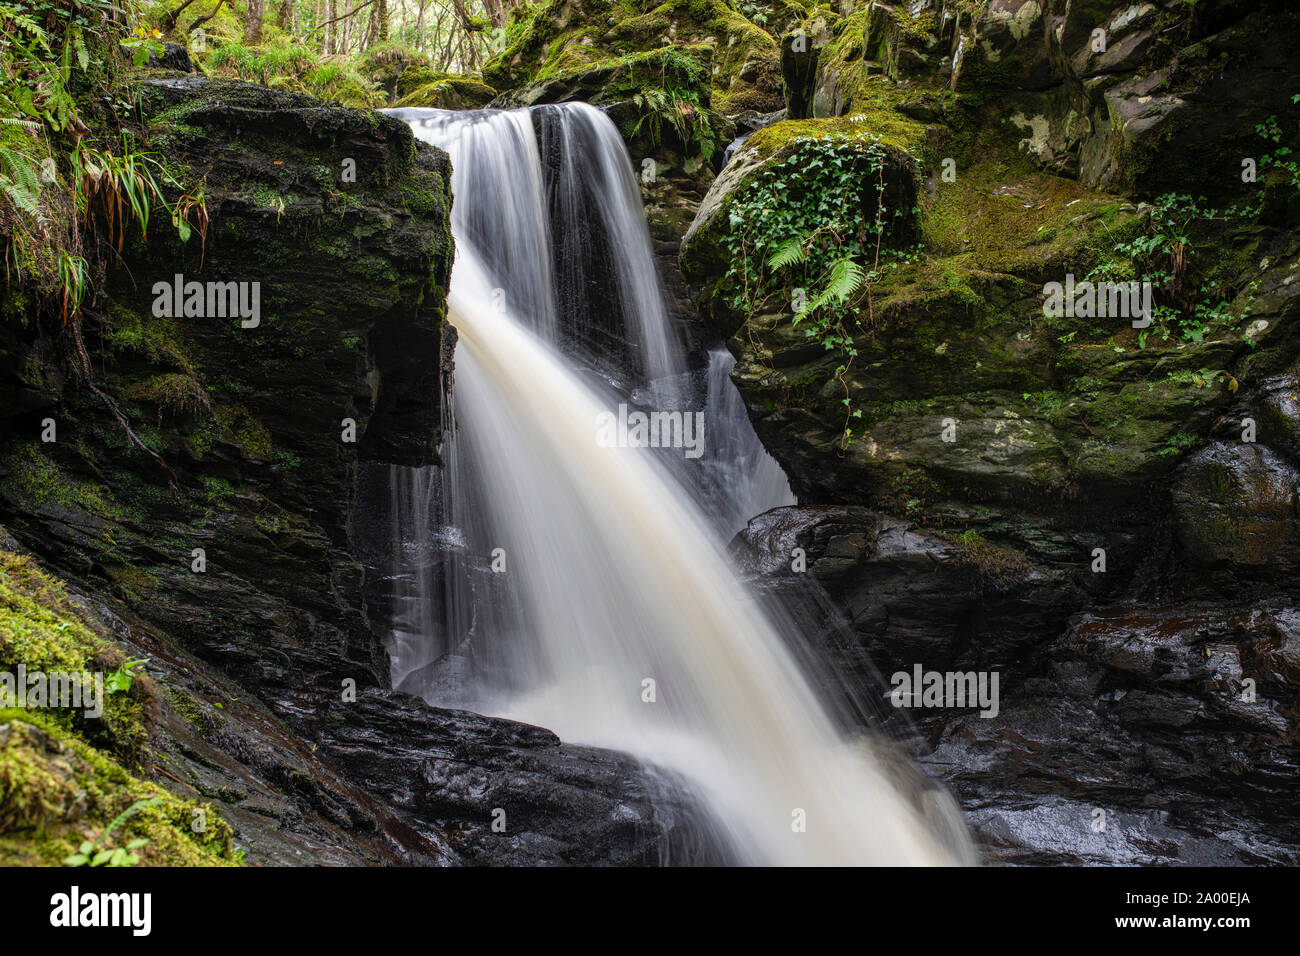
(808, 233)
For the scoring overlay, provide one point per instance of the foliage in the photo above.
(1187, 304)
(680, 108)
(65, 201)
(89, 854)
(809, 230)
(143, 44)
(1279, 155)
(119, 680)
(295, 65)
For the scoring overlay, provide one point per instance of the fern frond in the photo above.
(20, 183)
(787, 254)
(844, 278)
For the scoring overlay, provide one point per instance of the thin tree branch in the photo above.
(344, 16)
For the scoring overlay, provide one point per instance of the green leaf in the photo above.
(787, 254)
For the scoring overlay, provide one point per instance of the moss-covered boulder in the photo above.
(684, 70)
(389, 67)
(567, 37)
(419, 87)
(66, 771)
(871, 41)
(58, 795)
(704, 256)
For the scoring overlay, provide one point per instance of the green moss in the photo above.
(131, 330)
(41, 629)
(996, 566)
(561, 37)
(35, 477)
(218, 490)
(175, 392)
(57, 792)
(234, 424)
(445, 91)
(878, 118)
(1010, 218)
(864, 51)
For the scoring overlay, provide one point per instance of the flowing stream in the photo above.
(552, 578)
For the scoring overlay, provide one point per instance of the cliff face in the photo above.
(243, 417)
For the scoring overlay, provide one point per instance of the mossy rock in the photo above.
(445, 91)
(63, 775)
(57, 793)
(1055, 408)
(703, 256)
(43, 631)
(389, 66)
(682, 70)
(563, 36)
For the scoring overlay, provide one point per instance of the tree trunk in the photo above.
(286, 8)
(496, 11)
(419, 26)
(381, 21)
(253, 25)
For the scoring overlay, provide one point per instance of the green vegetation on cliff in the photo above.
(62, 774)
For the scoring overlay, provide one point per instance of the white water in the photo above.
(616, 571)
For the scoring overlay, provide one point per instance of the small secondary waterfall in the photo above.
(549, 577)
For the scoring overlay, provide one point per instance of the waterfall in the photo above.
(549, 577)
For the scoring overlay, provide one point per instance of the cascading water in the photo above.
(619, 620)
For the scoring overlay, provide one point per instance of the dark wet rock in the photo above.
(1237, 507)
(218, 741)
(1179, 724)
(553, 803)
(799, 73)
(1176, 723)
(173, 57)
(916, 596)
(1136, 94)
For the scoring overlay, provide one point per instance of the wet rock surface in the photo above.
(503, 793)
(1126, 732)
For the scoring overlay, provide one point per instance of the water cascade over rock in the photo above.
(548, 576)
